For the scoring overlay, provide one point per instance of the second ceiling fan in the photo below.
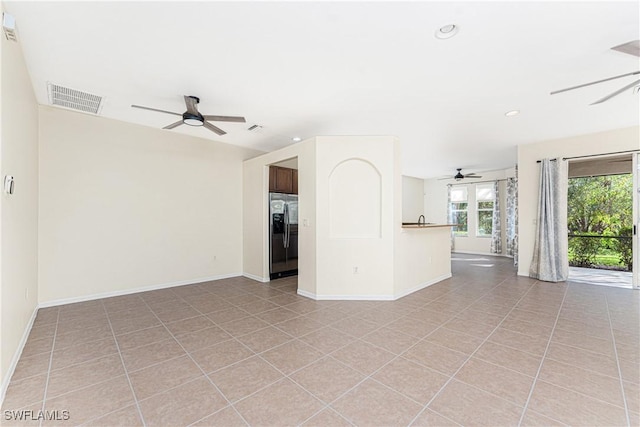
(192, 116)
(459, 177)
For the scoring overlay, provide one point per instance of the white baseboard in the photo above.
(345, 297)
(16, 356)
(83, 298)
(372, 297)
(480, 253)
(256, 278)
(422, 285)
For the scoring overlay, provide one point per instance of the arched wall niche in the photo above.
(355, 200)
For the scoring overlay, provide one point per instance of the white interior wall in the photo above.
(18, 212)
(124, 207)
(412, 198)
(255, 220)
(357, 265)
(529, 173)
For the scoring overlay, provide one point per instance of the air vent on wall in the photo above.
(74, 99)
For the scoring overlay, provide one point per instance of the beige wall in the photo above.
(345, 251)
(528, 174)
(412, 198)
(358, 265)
(18, 212)
(256, 213)
(422, 258)
(123, 207)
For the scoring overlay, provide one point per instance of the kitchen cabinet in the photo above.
(294, 181)
(283, 180)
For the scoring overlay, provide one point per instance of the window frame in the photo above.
(479, 210)
(455, 212)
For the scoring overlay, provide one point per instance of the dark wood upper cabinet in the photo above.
(272, 179)
(283, 180)
(294, 181)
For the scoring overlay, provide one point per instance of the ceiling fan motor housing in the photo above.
(192, 119)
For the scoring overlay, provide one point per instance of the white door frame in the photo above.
(636, 221)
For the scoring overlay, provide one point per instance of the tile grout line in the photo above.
(451, 378)
(544, 356)
(615, 350)
(124, 367)
(46, 384)
(370, 376)
(196, 363)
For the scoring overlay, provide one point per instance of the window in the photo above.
(459, 210)
(485, 197)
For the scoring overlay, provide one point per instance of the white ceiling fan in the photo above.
(631, 48)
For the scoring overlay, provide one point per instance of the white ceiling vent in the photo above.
(74, 99)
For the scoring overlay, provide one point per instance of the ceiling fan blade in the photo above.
(213, 128)
(472, 177)
(192, 104)
(616, 93)
(596, 82)
(225, 119)
(442, 179)
(155, 109)
(471, 174)
(173, 125)
(632, 48)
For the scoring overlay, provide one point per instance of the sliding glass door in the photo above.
(636, 221)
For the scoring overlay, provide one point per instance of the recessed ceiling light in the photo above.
(512, 113)
(447, 31)
(296, 139)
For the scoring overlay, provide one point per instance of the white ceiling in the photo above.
(347, 68)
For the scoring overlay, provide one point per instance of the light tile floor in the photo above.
(483, 348)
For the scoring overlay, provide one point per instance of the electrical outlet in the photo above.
(355, 270)
(215, 257)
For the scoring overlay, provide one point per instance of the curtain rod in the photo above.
(482, 182)
(594, 155)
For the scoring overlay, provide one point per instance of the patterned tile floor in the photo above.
(483, 348)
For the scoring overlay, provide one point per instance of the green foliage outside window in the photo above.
(485, 218)
(459, 216)
(600, 206)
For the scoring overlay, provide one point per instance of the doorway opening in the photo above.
(283, 222)
(600, 218)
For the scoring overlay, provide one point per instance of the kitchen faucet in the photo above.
(423, 220)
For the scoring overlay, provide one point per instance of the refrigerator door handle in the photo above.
(285, 240)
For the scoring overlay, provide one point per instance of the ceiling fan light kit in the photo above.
(192, 116)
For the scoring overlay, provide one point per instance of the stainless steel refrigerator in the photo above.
(283, 235)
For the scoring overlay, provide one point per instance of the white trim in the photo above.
(256, 278)
(422, 285)
(134, 290)
(373, 297)
(480, 253)
(16, 356)
(345, 297)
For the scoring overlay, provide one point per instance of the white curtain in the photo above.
(511, 211)
(496, 228)
(550, 253)
(450, 218)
